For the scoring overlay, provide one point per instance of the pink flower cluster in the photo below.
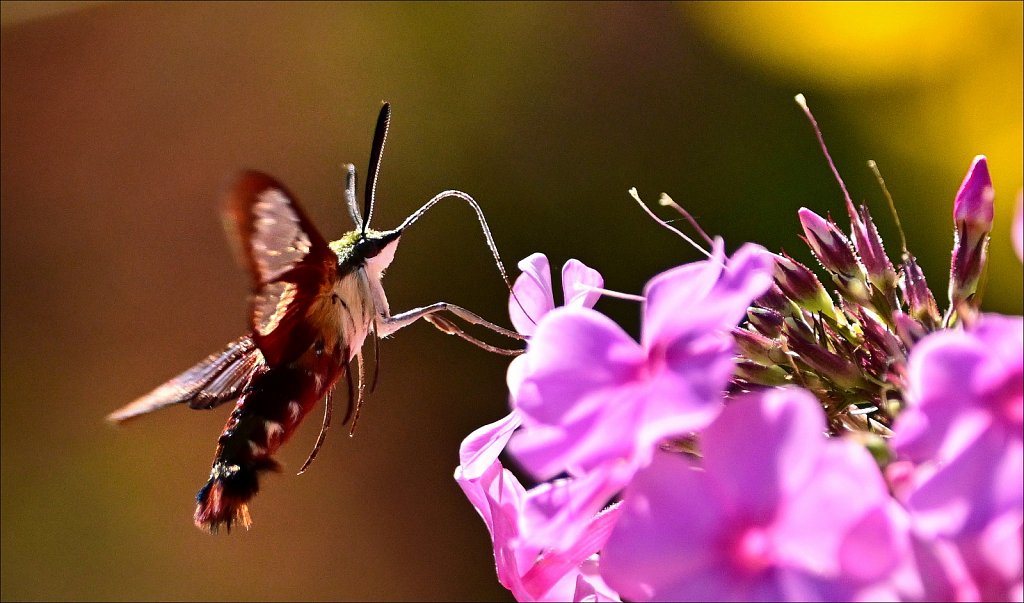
(653, 484)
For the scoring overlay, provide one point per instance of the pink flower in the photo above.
(512, 514)
(962, 430)
(592, 397)
(776, 511)
(533, 296)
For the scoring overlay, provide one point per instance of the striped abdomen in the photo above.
(274, 402)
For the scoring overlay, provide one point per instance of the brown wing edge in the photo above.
(217, 379)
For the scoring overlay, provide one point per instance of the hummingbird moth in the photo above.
(313, 305)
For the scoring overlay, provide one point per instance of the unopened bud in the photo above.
(872, 253)
(768, 322)
(972, 216)
(802, 286)
(919, 297)
(758, 348)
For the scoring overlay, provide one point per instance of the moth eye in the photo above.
(278, 241)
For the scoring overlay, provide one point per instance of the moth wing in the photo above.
(217, 379)
(291, 265)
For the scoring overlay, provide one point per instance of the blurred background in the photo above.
(122, 123)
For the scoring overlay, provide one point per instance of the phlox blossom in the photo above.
(592, 398)
(530, 572)
(773, 511)
(961, 437)
(533, 296)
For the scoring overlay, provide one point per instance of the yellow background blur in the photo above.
(121, 123)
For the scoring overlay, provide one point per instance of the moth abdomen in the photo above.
(269, 411)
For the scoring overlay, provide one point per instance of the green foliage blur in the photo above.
(122, 123)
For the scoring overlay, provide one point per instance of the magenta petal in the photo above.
(590, 586)
(481, 448)
(573, 357)
(939, 380)
(671, 294)
(765, 446)
(576, 278)
(665, 537)
(556, 513)
(533, 296)
(961, 383)
(583, 442)
(553, 565)
(705, 296)
(846, 481)
(984, 481)
(677, 404)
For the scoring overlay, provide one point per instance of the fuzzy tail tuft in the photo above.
(223, 501)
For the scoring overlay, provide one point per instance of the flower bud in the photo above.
(802, 286)
(919, 298)
(766, 321)
(759, 374)
(872, 253)
(758, 348)
(775, 299)
(829, 245)
(972, 216)
(828, 364)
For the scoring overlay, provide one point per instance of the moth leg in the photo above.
(446, 326)
(386, 325)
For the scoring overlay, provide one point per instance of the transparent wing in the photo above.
(217, 379)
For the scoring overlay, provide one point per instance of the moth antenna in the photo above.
(359, 395)
(350, 196)
(802, 101)
(636, 196)
(380, 136)
(892, 204)
(328, 407)
(416, 215)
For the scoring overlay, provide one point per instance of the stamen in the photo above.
(610, 293)
(666, 201)
(802, 101)
(892, 204)
(655, 217)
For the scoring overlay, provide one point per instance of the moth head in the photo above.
(373, 250)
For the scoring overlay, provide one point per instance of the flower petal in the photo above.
(576, 278)
(481, 448)
(574, 354)
(705, 296)
(765, 446)
(532, 296)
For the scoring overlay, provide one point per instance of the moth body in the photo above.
(312, 306)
